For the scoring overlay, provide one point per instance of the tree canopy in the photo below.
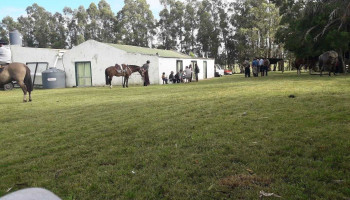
(228, 32)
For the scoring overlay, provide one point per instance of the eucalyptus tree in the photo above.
(206, 29)
(225, 33)
(93, 30)
(171, 24)
(177, 14)
(106, 22)
(136, 23)
(76, 21)
(255, 23)
(191, 26)
(58, 31)
(164, 25)
(35, 26)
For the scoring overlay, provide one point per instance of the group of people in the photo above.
(258, 65)
(182, 76)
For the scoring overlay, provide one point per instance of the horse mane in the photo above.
(134, 66)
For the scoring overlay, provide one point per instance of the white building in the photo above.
(85, 64)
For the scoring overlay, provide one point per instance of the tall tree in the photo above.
(107, 21)
(93, 30)
(35, 26)
(136, 23)
(191, 26)
(165, 30)
(255, 24)
(171, 24)
(58, 31)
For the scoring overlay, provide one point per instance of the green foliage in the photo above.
(312, 27)
(136, 23)
(223, 138)
(192, 54)
(256, 24)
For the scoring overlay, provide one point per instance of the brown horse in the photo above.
(308, 63)
(123, 71)
(17, 72)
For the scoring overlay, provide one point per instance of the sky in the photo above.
(16, 8)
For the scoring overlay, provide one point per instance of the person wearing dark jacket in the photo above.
(146, 77)
(177, 77)
(171, 77)
(196, 71)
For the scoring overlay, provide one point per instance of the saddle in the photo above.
(119, 69)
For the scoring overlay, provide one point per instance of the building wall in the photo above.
(26, 54)
(102, 56)
(169, 64)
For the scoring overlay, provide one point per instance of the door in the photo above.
(179, 66)
(83, 74)
(205, 71)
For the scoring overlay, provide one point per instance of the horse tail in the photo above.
(28, 80)
(107, 79)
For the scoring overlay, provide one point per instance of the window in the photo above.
(83, 74)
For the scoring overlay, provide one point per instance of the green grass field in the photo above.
(224, 138)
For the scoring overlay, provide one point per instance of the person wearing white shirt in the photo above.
(5, 53)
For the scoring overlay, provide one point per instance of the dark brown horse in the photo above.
(17, 72)
(123, 71)
(308, 63)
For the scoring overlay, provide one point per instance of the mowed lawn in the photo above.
(224, 138)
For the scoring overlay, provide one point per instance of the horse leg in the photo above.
(127, 81)
(110, 82)
(30, 96)
(24, 89)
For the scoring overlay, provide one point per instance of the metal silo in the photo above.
(53, 78)
(15, 38)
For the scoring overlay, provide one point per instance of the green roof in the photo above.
(149, 51)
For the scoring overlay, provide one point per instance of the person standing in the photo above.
(196, 71)
(266, 66)
(146, 77)
(5, 53)
(246, 68)
(255, 67)
(190, 67)
(261, 66)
